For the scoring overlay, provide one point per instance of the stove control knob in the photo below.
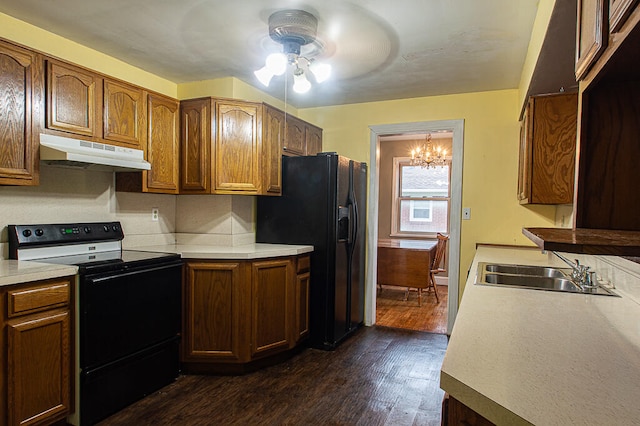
(106, 228)
(87, 229)
(26, 233)
(39, 232)
(115, 228)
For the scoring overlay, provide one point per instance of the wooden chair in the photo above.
(441, 248)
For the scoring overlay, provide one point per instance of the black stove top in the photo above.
(112, 260)
(93, 247)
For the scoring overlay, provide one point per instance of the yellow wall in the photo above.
(35, 38)
(230, 87)
(543, 16)
(490, 170)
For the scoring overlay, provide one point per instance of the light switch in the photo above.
(466, 213)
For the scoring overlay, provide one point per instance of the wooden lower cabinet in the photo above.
(37, 353)
(238, 312)
(303, 279)
(460, 414)
(216, 315)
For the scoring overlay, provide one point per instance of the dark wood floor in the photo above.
(379, 376)
(393, 311)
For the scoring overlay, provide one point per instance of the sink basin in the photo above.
(532, 277)
(538, 271)
(541, 282)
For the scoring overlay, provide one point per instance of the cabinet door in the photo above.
(238, 147)
(294, 137)
(619, 11)
(39, 363)
(215, 312)
(592, 36)
(20, 97)
(195, 146)
(548, 149)
(124, 114)
(163, 151)
(524, 164)
(553, 148)
(313, 140)
(302, 305)
(71, 99)
(272, 140)
(271, 301)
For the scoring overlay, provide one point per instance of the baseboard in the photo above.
(442, 280)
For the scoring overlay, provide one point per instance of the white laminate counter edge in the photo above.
(17, 271)
(243, 252)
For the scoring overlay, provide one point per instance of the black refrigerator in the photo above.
(323, 204)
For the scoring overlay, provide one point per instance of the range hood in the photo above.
(76, 153)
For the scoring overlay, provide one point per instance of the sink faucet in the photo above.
(580, 274)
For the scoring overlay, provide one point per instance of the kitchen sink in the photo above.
(538, 271)
(532, 277)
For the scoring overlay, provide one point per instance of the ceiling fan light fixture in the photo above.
(320, 70)
(293, 28)
(276, 63)
(264, 76)
(300, 82)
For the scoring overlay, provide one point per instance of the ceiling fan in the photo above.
(293, 29)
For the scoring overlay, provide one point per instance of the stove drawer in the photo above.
(52, 294)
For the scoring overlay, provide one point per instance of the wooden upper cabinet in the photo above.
(525, 158)
(301, 138)
(619, 11)
(547, 156)
(21, 95)
(163, 149)
(124, 114)
(591, 34)
(313, 139)
(238, 147)
(195, 146)
(73, 96)
(294, 137)
(272, 140)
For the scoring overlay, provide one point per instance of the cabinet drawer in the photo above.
(304, 264)
(32, 299)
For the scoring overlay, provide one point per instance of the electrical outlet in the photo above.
(155, 214)
(466, 213)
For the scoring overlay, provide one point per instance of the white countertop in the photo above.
(243, 252)
(521, 356)
(17, 271)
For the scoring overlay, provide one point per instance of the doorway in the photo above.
(456, 127)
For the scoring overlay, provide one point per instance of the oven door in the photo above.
(124, 312)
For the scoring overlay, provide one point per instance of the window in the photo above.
(421, 199)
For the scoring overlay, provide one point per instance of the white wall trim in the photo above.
(455, 213)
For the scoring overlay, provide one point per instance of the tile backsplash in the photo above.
(73, 195)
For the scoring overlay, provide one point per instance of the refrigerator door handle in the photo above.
(344, 224)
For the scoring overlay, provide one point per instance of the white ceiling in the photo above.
(379, 49)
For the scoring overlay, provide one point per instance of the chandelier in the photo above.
(426, 156)
(293, 29)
